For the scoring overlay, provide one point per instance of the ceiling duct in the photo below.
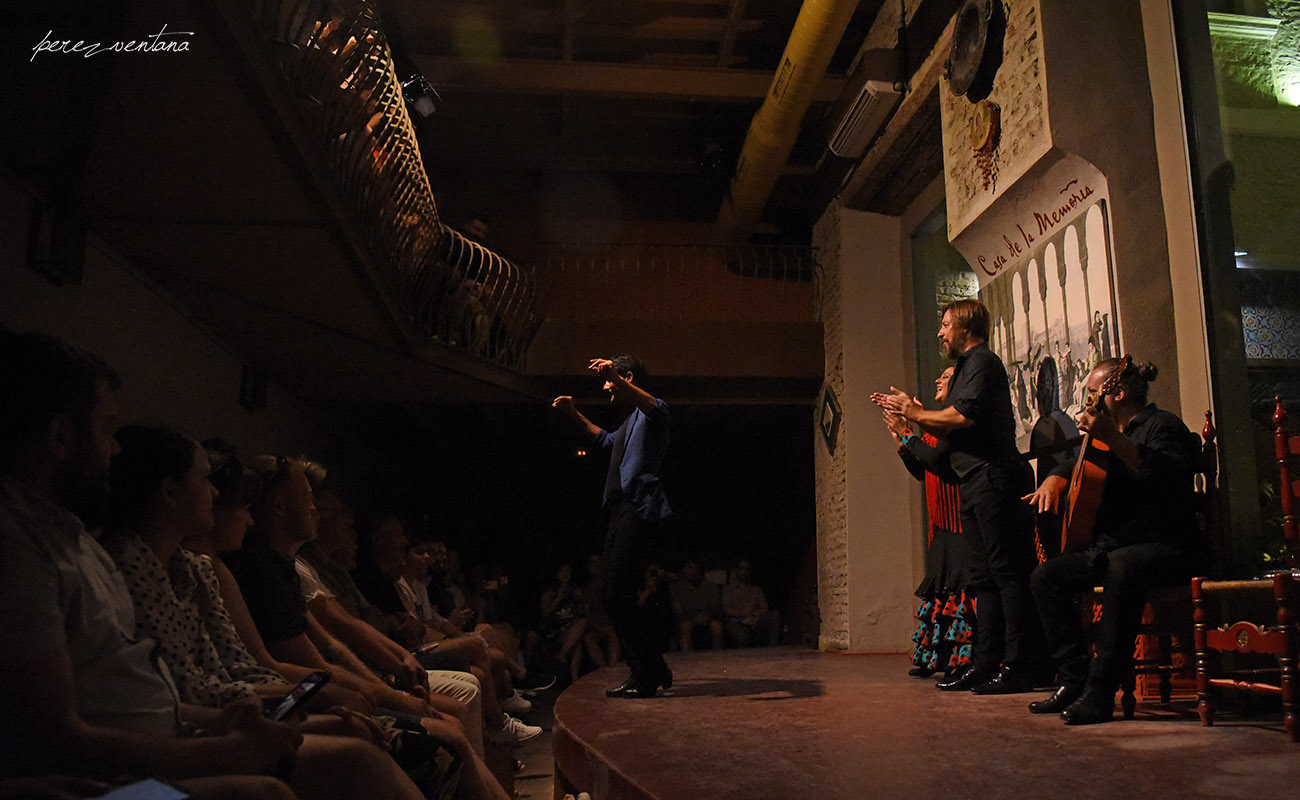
(772, 133)
(864, 118)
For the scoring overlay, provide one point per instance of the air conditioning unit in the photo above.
(862, 121)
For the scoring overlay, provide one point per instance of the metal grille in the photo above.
(335, 59)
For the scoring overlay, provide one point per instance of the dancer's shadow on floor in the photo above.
(752, 688)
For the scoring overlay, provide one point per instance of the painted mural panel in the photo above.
(1053, 319)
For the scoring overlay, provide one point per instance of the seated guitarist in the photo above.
(1144, 536)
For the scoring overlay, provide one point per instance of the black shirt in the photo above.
(269, 583)
(1155, 504)
(378, 588)
(980, 391)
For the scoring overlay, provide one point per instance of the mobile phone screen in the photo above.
(301, 693)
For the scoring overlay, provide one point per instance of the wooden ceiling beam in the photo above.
(735, 14)
(613, 80)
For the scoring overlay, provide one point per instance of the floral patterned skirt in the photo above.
(945, 618)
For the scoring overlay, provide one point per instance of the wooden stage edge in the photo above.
(787, 722)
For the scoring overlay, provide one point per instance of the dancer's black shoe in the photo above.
(1058, 702)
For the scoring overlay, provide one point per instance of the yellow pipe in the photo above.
(772, 133)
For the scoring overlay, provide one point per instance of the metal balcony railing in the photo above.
(335, 59)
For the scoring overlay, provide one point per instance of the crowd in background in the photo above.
(163, 592)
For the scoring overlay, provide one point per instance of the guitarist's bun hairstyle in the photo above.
(1136, 377)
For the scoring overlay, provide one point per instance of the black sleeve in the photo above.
(378, 588)
(931, 458)
(912, 463)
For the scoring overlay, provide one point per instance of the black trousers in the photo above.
(630, 548)
(999, 527)
(1125, 574)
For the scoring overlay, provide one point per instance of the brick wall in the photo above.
(831, 469)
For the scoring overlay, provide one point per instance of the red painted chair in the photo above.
(1247, 635)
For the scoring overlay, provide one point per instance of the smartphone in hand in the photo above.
(293, 702)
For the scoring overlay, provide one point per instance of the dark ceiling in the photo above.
(196, 169)
(649, 98)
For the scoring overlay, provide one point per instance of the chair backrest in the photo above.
(1287, 447)
(1207, 473)
(1206, 480)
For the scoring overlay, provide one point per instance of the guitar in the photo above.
(1089, 476)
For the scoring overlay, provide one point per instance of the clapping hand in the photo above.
(897, 401)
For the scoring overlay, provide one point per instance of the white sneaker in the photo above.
(513, 732)
(516, 704)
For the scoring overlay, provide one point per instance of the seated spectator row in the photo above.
(157, 604)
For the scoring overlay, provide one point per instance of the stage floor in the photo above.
(786, 723)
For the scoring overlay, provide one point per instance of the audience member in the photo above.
(333, 556)
(656, 607)
(237, 488)
(378, 579)
(445, 586)
(161, 494)
(85, 695)
(268, 592)
(450, 687)
(748, 619)
(264, 568)
(562, 627)
(697, 605)
(600, 639)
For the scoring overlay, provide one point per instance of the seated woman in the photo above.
(562, 625)
(160, 493)
(164, 500)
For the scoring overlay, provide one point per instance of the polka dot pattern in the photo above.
(180, 607)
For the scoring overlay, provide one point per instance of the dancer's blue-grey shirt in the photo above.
(637, 453)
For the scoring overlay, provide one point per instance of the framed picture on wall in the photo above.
(829, 419)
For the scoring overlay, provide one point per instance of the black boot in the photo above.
(1058, 702)
(966, 681)
(1007, 680)
(623, 688)
(1091, 708)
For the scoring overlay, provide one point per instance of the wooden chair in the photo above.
(1243, 627)
(1164, 645)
